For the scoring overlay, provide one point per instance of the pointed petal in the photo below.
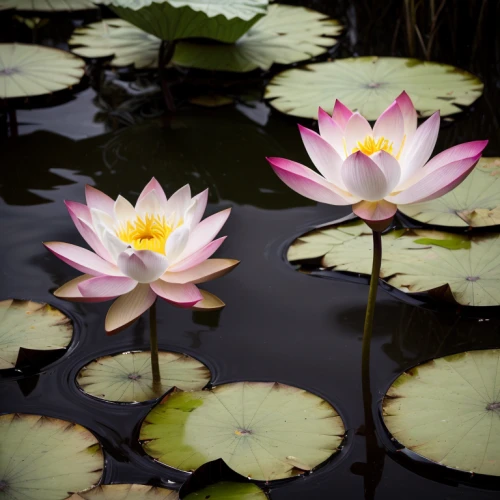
(364, 178)
(179, 202)
(390, 166)
(409, 115)
(180, 295)
(143, 266)
(210, 302)
(98, 200)
(390, 126)
(102, 221)
(82, 259)
(113, 244)
(154, 185)
(79, 210)
(331, 132)
(197, 257)
(200, 207)
(356, 130)
(206, 271)
(106, 286)
(341, 114)
(123, 209)
(128, 308)
(308, 183)
(374, 210)
(176, 243)
(70, 291)
(149, 204)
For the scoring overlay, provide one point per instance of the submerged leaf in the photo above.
(448, 410)
(370, 84)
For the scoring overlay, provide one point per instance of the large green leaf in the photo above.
(261, 430)
(475, 202)
(222, 20)
(31, 70)
(286, 35)
(226, 490)
(125, 492)
(370, 84)
(45, 458)
(126, 377)
(47, 5)
(448, 410)
(30, 325)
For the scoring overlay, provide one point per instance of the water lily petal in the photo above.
(390, 166)
(178, 203)
(143, 266)
(409, 115)
(390, 126)
(150, 204)
(180, 295)
(341, 114)
(113, 244)
(98, 200)
(79, 210)
(154, 185)
(331, 132)
(176, 243)
(106, 286)
(364, 178)
(124, 210)
(199, 208)
(323, 155)
(308, 183)
(70, 291)
(127, 308)
(206, 271)
(197, 257)
(102, 221)
(82, 259)
(374, 210)
(356, 130)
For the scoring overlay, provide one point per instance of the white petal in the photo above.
(149, 205)
(178, 202)
(124, 211)
(143, 266)
(390, 126)
(176, 243)
(101, 221)
(356, 130)
(390, 166)
(113, 244)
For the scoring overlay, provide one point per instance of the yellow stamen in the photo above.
(370, 146)
(148, 233)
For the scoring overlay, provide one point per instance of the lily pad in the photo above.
(126, 377)
(46, 458)
(30, 325)
(222, 20)
(263, 431)
(47, 5)
(31, 70)
(448, 411)
(370, 84)
(286, 35)
(226, 490)
(475, 202)
(125, 492)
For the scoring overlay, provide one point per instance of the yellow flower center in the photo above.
(370, 146)
(148, 233)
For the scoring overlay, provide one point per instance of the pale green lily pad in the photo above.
(47, 5)
(370, 84)
(264, 431)
(31, 70)
(222, 20)
(286, 35)
(475, 202)
(448, 411)
(227, 490)
(127, 378)
(45, 458)
(31, 325)
(125, 492)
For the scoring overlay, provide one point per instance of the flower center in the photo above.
(370, 145)
(148, 233)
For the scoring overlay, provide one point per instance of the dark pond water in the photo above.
(279, 325)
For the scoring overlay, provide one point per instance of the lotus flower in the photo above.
(376, 169)
(158, 248)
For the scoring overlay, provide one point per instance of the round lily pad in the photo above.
(286, 35)
(127, 378)
(47, 5)
(125, 492)
(370, 84)
(227, 490)
(31, 70)
(46, 458)
(475, 202)
(264, 431)
(30, 325)
(448, 411)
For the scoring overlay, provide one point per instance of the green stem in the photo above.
(155, 364)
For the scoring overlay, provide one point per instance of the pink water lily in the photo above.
(376, 169)
(159, 248)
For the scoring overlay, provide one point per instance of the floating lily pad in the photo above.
(30, 325)
(226, 490)
(125, 492)
(47, 5)
(475, 202)
(222, 20)
(46, 458)
(286, 35)
(31, 70)
(261, 430)
(370, 84)
(127, 378)
(448, 410)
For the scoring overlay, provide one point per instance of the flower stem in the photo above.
(155, 364)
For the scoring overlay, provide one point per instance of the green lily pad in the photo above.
(30, 325)
(370, 84)
(47, 5)
(222, 20)
(46, 458)
(125, 492)
(475, 202)
(448, 411)
(127, 378)
(286, 35)
(31, 70)
(227, 490)
(263, 431)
